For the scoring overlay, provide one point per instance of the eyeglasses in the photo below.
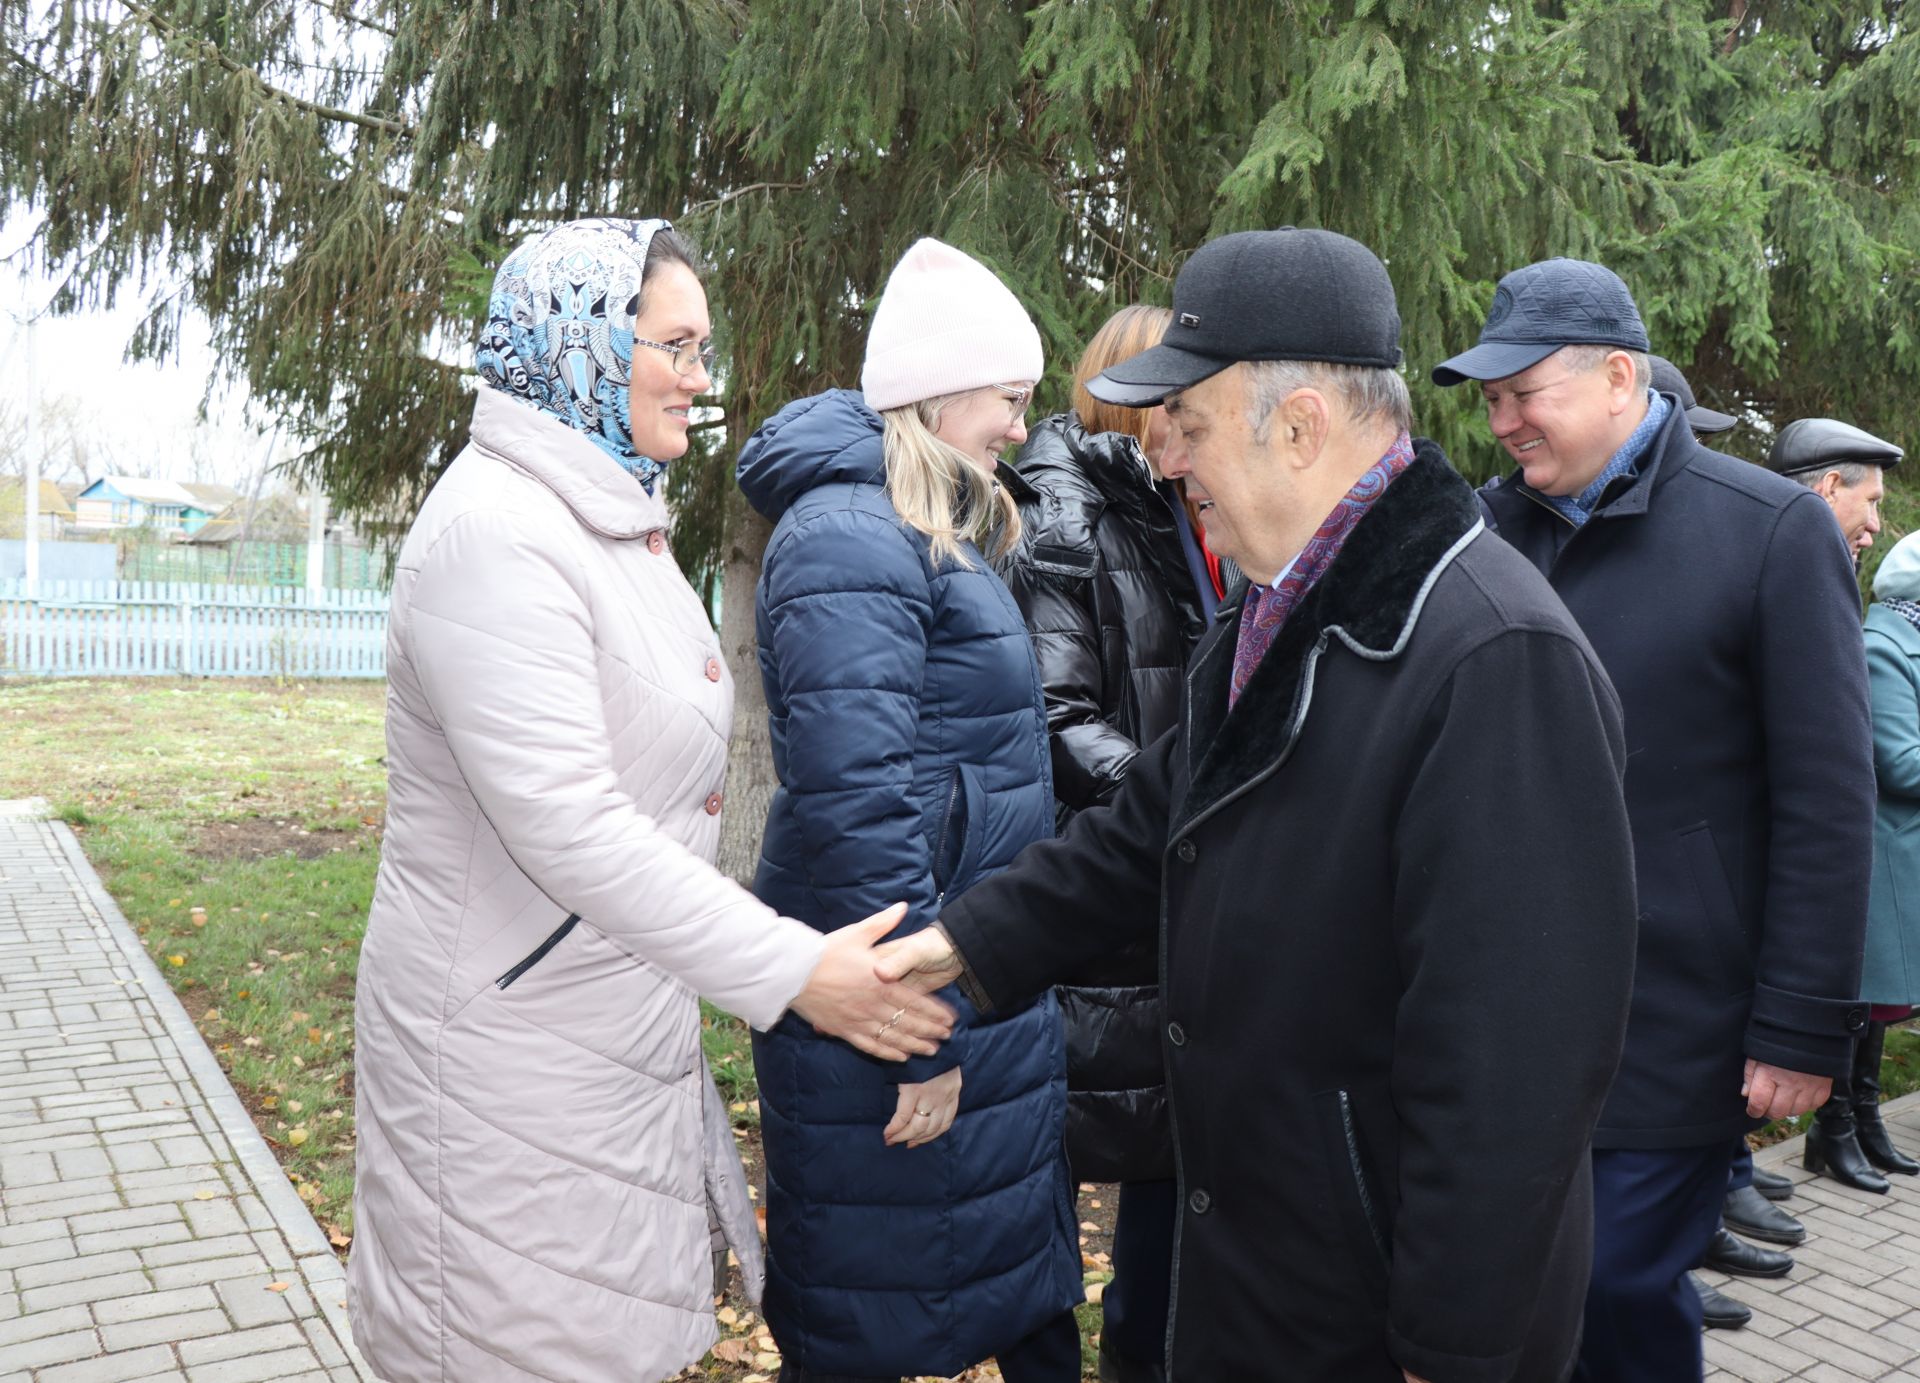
(686, 354)
(1017, 397)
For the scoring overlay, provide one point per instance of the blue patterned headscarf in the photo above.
(559, 332)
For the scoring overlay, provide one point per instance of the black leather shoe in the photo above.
(1748, 1212)
(1735, 1257)
(1772, 1185)
(1719, 1312)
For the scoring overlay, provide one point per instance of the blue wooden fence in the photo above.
(179, 629)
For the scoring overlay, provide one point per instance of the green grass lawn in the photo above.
(237, 826)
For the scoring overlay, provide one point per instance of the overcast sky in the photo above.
(140, 418)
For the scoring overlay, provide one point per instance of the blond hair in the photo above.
(1126, 333)
(937, 490)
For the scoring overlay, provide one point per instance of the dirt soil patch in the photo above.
(257, 838)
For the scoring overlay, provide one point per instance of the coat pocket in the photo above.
(1718, 915)
(1364, 1218)
(538, 953)
(956, 849)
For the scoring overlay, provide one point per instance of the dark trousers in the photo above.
(1742, 1174)
(1134, 1329)
(1050, 1355)
(1654, 1213)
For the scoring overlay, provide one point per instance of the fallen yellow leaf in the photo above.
(297, 1136)
(176, 960)
(203, 1195)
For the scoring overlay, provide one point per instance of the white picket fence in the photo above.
(175, 629)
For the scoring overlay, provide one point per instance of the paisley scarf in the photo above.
(559, 332)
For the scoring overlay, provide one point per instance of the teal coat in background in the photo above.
(1890, 972)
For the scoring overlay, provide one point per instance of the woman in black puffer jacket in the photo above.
(1116, 587)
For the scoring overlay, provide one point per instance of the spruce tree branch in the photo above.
(22, 60)
(239, 69)
(716, 203)
(346, 15)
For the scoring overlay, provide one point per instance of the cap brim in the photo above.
(1148, 378)
(1492, 360)
(1706, 420)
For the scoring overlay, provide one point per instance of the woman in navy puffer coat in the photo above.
(910, 739)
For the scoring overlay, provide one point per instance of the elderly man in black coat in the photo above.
(1721, 599)
(1394, 996)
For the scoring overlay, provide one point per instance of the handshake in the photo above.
(879, 997)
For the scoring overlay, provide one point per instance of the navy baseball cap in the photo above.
(1283, 294)
(1667, 379)
(1539, 309)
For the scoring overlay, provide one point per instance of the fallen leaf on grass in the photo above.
(338, 1238)
(732, 1351)
(294, 1106)
(766, 1361)
(297, 1136)
(176, 960)
(726, 1315)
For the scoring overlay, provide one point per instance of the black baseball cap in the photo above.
(1667, 379)
(1539, 309)
(1282, 294)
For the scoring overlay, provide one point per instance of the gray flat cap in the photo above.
(1811, 442)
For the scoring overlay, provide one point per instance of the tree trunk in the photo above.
(750, 778)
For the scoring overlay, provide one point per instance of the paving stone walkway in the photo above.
(146, 1232)
(1850, 1309)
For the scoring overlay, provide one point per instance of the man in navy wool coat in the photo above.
(1721, 600)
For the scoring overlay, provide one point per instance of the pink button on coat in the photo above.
(540, 1165)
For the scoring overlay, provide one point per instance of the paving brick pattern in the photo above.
(1850, 1309)
(146, 1232)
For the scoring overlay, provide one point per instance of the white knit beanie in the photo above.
(945, 324)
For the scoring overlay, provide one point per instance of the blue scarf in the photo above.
(1577, 509)
(559, 332)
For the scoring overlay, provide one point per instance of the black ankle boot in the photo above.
(1871, 1132)
(1833, 1146)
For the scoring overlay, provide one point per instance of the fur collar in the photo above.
(1370, 599)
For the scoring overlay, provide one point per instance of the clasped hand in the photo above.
(846, 996)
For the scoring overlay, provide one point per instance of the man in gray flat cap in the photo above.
(1727, 617)
(1392, 1002)
(1842, 464)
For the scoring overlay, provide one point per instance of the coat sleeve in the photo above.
(846, 615)
(1516, 953)
(1074, 899)
(1810, 669)
(1089, 756)
(504, 650)
(1896, 717)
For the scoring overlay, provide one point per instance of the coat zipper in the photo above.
(539, 952)
(946, 822)
(1360, 1177)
